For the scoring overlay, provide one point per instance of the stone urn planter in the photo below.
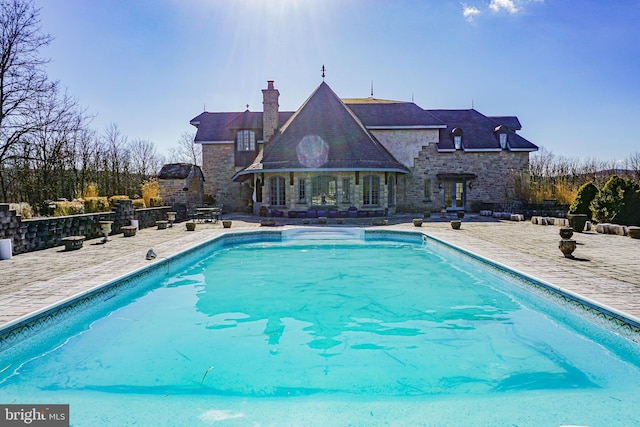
(322, 220)
(105, 228)
(460, 214)
(162, 225)
(633, 232)
(226, 223)
(577, 222)
(191, 226)
(566, 232)
(417, 222)
(567, 246)
(455, 224)
(427, 214)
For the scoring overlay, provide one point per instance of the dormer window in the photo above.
(246, 140)
(457, 142)
(502, 131)
(457, 138)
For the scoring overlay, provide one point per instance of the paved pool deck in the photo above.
(606, 268)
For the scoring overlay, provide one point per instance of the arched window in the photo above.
(323, 190)
(457, 138)
(277, 184)
(371, 190)
(391, 191)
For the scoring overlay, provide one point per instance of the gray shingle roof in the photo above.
(177, 170)
(223, 126)
(394, 114)
(479, 131)
(325, 134)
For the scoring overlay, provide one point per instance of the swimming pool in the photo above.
(329, 328)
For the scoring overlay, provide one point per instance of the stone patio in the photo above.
(606, 267)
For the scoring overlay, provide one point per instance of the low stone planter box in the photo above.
(162, 225)
(71, 243)
(380, 222)
(128, 230)
(322, 220)
(267, 222)
(455, 224)
(226, 223)
(633, 232)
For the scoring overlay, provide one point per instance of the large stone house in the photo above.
(362, 154)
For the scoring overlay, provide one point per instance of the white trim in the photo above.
(446, 150)
(523, 149)
(214, 142)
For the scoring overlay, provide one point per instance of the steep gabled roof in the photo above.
(325, 134)
(394, 114)
(479, 131)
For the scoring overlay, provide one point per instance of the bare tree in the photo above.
(633, 165)
(145, 159)
(23, 80)
(186, 150)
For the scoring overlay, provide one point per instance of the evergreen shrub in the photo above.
(581, 203)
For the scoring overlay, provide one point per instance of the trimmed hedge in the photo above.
(96, 204)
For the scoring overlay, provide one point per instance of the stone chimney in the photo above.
(269, 111)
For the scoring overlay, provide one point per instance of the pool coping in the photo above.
(10, 333)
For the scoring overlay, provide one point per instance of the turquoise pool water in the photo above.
(329, 332)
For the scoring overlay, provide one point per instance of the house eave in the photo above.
(214, 142)
(307, 170)
(416, 127)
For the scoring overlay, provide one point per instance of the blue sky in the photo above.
(569, 70)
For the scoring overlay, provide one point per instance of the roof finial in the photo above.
(323, 71)
(372, 88)
(247, 107)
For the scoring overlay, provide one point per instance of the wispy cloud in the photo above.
(511, 7)
(469, 12)
(508, 5)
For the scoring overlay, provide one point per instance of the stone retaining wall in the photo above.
(41, 233)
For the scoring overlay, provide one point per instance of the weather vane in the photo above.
(323, 72)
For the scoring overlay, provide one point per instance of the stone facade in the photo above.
(218, 168)
(434, 159)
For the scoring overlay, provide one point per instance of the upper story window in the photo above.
(502, 131)
(457, 142)
(503, 140)
(457, 138)
(246, 140)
